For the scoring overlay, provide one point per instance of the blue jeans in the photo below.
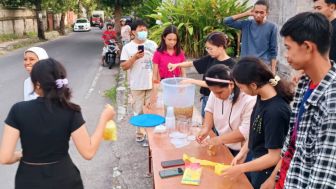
(204, 100)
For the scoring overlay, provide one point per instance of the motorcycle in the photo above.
(111, 54)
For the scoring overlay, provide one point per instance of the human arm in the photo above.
(273, 49)
(271, 181)
(88, 145)
(266, 161)
(10, 136)
(200, 83)
(127, 64)
(235, 22)
(187, 64)
(206, 127)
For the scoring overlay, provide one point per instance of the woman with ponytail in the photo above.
(269, 119)
(44, 126)
(227, 111)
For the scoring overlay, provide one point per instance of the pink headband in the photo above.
(218, 80)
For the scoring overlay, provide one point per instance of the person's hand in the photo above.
(172, 67)
(239, 158)
(212, 141)
(233, 172)
(249, 12)
(202, 135)
(108, 113)
(139, 54)
(269, 183)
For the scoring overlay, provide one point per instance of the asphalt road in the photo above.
(116, 165)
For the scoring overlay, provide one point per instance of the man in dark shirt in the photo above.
(327, 8)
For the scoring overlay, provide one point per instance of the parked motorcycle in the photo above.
(111, 54)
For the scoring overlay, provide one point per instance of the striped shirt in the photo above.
(314, 161)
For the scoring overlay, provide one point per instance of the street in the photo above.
(122, 164)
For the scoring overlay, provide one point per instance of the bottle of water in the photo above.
(170, 120)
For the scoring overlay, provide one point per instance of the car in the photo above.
(82, 24)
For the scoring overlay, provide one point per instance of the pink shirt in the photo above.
(163, 59)
(239, 119)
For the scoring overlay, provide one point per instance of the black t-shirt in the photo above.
(332, 53)
(203, 64)
(269, 125)
(44, 132)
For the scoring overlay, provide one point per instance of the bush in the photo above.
(195, 19)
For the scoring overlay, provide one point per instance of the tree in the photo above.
(119, 5)
(29, 3)
(61, 6)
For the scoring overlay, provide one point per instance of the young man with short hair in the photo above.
(136, 56)
(327, 8)
(259, 36)
(308, 158)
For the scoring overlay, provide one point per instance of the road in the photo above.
(113, 165)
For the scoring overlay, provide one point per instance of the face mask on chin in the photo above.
(142, 35)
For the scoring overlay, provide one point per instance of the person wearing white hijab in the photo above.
(31, 56)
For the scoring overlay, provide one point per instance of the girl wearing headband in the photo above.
(269, 120)
(228, 110)
(44, 126)
(215, 45)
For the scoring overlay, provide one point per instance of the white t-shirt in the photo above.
(240, 115)
(141, 72)
(28, 90)
(125, 33)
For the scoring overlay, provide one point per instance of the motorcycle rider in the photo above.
(108, 34)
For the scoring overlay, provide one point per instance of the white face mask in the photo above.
(142, 35)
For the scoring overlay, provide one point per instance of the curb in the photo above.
(9, 46)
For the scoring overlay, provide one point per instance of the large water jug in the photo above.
(180, 96)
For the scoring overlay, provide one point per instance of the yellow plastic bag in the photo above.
(110, 131)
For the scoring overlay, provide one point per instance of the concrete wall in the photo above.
(21, 21)
(17, 21)
(280, 12)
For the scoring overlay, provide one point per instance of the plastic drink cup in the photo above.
(110, 131)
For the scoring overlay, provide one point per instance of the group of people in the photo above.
(280, 138)
(254, 112)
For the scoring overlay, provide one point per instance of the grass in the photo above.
(112, 94)
(8, 37)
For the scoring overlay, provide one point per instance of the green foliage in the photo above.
(148, 7)
(8, 37)
(60, 6)
(112, 94)
(195, 19)
(16, 3)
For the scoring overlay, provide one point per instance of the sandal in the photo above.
(139, 137)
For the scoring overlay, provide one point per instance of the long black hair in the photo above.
(45, 73)
(168, 30)
(250, 70)
(220, 71)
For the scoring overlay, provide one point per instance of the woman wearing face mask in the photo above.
(136, 57)
(30, 57)
(215, 45)
(228, 110)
